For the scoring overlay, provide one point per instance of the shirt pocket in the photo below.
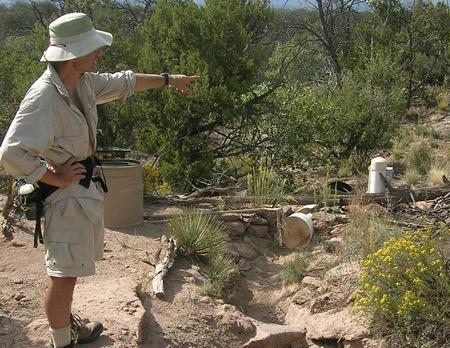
(74, 138)
(64, 222)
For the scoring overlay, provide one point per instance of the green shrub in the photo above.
(345, 168)
(405, 288)
(294, 270)
(420, 156)
(422, 130)
(264, 187)
(220, 271)
(198, 234)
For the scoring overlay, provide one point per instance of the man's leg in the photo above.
(57, 303)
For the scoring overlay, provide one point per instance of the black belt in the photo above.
(40, 194)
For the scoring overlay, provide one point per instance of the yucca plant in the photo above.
(220, 272)
(198, 234)
(264, 187)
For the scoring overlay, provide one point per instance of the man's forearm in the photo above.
(178, 82)
(148, 81)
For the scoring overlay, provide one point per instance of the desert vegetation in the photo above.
(290, 101)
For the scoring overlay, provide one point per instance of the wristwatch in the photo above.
(166, 78)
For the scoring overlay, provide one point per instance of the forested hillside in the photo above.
(326, 85)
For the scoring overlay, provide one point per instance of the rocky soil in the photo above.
(262, 312)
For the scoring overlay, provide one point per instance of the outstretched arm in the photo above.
(149, 81)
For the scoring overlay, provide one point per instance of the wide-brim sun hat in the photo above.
(73, 36)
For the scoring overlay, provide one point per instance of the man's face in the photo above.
(88, 62)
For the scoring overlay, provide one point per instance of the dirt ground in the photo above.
(184, 318)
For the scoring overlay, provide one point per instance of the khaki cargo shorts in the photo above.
(73, 236)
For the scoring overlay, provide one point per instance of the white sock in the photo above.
(61, 337)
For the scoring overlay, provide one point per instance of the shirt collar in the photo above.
(57, 81)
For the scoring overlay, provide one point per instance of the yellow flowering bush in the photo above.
(405, 288)
(153, 181)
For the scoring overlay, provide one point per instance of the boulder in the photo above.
(336, 325)
(261, 231)
(235, 228)
(277, 336)
(230, 217)
(312, 282)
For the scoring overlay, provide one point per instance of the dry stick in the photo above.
(162, 269)
(8, 211)
(280, 226)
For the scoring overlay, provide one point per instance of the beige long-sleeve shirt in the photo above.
(50, 129)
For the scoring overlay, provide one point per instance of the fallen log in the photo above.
(394, 197)
(163, 267)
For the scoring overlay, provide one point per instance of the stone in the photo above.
(334, 244)
(226, 217)
(277, 336)
(235, 228)
(321, 303)
(261, 231)
(343, 273)
(333, 325)
(242, 249)
(336, 325)
(306, 209)
(19, 296)
(253, 219)
(312, 282)
(302, 296)
(18, 281)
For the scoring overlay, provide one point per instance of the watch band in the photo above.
(166, 78)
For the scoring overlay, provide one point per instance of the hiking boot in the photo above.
(83, 331)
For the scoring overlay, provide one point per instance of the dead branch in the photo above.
(8, 211)
(162, 269)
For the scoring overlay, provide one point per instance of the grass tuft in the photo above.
(412, 177)
(198, 234)
(264, 187)
(293, 271)
(220, 271)
(435, 176)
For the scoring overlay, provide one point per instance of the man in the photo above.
(51, 133)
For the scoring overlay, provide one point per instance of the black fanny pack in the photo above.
(42, 190)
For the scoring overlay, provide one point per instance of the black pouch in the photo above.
(33, 204)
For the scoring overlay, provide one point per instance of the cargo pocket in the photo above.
(64, 222)
(58, 256)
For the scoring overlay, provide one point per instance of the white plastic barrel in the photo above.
(124, 201)
(298, 230)
(378, 166)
